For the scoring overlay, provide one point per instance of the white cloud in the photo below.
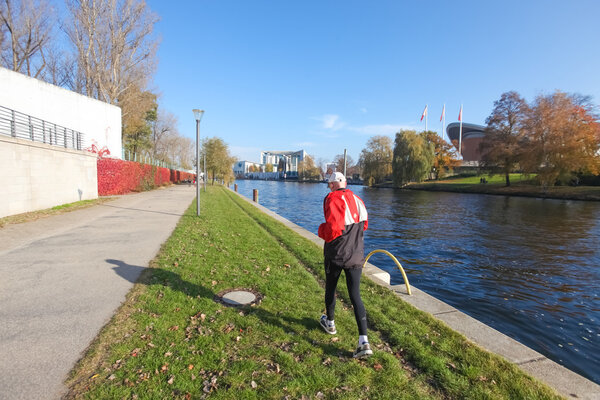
(363, 110)
(330, 122)
(305, 144)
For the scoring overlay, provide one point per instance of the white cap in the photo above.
(337, 177)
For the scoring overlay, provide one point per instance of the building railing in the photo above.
(148, 159)
(23, 126)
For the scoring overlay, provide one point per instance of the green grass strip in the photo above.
(170, 339)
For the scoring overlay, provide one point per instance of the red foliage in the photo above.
(119, 177)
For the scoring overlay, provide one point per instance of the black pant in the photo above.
(332, 274)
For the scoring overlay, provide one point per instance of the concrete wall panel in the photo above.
(35, 176)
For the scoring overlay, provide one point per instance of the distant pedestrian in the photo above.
(345, 221)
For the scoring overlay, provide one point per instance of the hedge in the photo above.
(119, 177)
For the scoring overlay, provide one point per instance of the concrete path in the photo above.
(63, 277)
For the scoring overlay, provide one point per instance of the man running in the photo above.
(345, 221)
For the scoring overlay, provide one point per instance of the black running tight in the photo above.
(353, 283)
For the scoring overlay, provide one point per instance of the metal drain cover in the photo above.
(238, 297)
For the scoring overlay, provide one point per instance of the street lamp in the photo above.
(198, 116)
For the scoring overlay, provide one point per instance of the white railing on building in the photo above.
(23, 126)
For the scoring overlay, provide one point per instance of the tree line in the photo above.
(104, 49)
(555, 138)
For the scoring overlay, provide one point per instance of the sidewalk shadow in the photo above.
(150, 276)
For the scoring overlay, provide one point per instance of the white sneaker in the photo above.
(325, 325)
(363, 351)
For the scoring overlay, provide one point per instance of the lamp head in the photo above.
(198, 114)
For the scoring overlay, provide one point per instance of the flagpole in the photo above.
(443, 121)
(460, 133)
(426, 119)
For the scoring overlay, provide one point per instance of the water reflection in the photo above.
(527, 267)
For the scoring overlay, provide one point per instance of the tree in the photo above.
(413, 157)
(562, 138)
(502, 145)
(25, 34)
(445, 154)
(139, 114)
(218, 161)
(114, 46)
(339, 162)
(376, 159)
(269, 168)
(307, 170)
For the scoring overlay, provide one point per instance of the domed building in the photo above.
(472, 135)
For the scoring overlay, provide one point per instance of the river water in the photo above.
(527, 267)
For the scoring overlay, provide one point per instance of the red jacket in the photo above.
(345, 220)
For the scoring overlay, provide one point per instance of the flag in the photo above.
(460, 114)
(443, 112)
(424, 113)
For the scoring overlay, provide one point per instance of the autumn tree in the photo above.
(413, 157)
(445, 154)
(114, 46)
(562, 138)
(339, 162)
(218, 160)
(502, 145)
(307, 170)
(26, 30)
(376, 160)
(139, 114)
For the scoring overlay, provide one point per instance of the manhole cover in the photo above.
(238, 297)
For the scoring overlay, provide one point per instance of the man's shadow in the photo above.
(151, 276)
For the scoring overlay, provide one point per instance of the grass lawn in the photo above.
(520, 186)
(170, 339)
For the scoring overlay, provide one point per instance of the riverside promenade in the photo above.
(63, 278)
(566, 382)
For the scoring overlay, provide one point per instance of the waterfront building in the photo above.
(285, 163)
(241, 168)
(472, 135)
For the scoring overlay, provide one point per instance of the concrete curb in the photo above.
(561, 379)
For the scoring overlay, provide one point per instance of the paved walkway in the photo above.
(63, 277)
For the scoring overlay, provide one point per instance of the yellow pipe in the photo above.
(397, 263)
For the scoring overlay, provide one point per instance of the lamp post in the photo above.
(198, 116)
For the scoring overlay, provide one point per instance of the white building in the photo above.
(99, 122)
(284, 162)
(245, 167)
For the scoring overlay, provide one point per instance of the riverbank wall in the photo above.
(564, 381)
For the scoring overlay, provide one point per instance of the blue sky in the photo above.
(327, 75)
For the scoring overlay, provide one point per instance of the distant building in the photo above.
(472, 135)
(284, 162)
(245, 167)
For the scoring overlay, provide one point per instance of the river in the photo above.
(527, 267)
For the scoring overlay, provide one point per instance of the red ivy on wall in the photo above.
(119, 177)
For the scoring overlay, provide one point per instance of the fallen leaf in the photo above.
(452, 365)
(171, 379)
(191, 367)
(94, 376)
(174, 328)
(168, 354)
(377, 367)
(253, 384)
